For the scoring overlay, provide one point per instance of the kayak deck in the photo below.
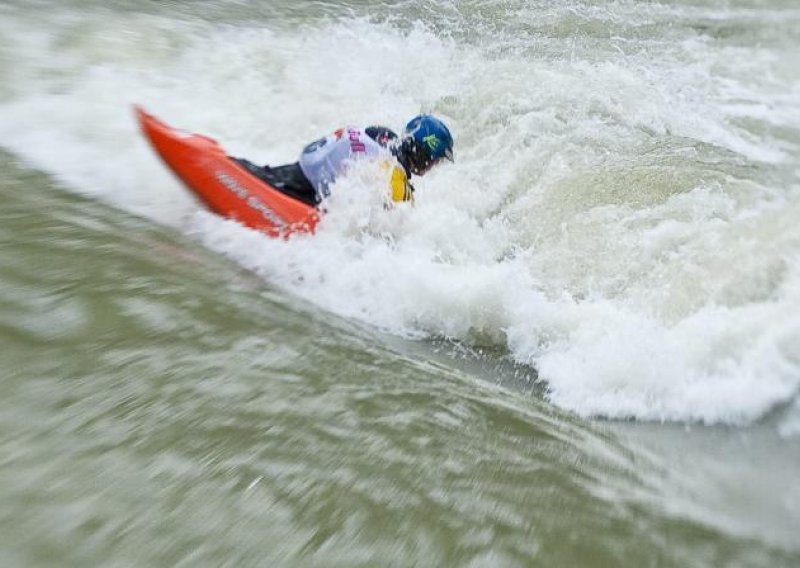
(224, 186)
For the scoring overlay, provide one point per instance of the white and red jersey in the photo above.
(324, 160)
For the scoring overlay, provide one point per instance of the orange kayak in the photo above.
(223, 185)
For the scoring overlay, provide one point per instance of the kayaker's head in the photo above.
(426, 141)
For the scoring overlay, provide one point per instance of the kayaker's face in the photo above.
(419, 160)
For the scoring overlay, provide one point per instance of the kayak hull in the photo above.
(224, 186)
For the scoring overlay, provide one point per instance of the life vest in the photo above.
(324, 160)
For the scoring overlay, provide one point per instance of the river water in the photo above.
(580, 347)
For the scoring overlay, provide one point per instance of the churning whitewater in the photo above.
(622, 212)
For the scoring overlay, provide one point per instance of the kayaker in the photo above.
(425, 142)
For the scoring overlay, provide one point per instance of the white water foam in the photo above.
(606, 219)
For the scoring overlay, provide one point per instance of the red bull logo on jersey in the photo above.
(354, 136)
